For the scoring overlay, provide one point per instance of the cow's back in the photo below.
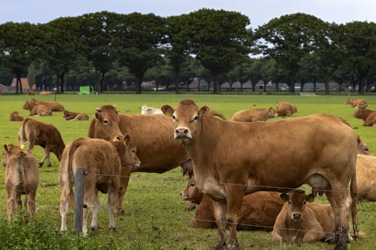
(250, 115)
(366, 177)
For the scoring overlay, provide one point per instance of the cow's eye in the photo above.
(174, 118)
(106, 122)
(195, 118)
(290, 202)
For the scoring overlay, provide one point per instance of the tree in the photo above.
(17, 48)
(289, 38)
(219, 39)
(359, 40)
(139, 39)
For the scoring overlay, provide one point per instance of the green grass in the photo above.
(154, 213)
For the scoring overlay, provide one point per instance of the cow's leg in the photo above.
(124, 180)
(64, 205)
(234, 197)
(219, 208)
(11, 204)
(46, 156)
(314, 234)
(111, 205)
(89, 194)
(95, 210)
(336, 213)
(30, 203)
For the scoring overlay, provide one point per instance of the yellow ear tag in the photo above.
(125, 142)
(22, 146)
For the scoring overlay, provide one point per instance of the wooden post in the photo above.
(78, 200)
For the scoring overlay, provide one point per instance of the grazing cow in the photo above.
(259, 210)
(357, 103)
(368, 116)
(74, 116)
(45, 135)
(257, 164)
(285, 109)
(102, 162)
(15, 116)
(54, 106)
(252, 115)
(300, 221)
(146, 110)
(21, 177)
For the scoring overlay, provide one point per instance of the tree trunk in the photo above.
(215, 84)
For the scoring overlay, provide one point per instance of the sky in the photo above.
(258, 11)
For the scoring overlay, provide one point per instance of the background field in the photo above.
(154, 213)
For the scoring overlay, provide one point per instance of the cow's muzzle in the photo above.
(182, 134)
(296, 217)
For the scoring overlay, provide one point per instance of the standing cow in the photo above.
(102, 162)
(21, 177)
(45, 135)
(226, 175)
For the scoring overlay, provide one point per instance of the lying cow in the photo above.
(45, 135)
(368, 116)
(357, 103)
(54, 106)
(37, 109)
(252, 115)
(74, 116)
(226, 178)
(259, 210)
(285, 109)
(15, 116)
(21, 177)
(146, 110)
(102, 162)
(45, 93)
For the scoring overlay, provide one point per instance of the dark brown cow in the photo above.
(357, 103)
(15, 116)
(300, 221)
(54, 106)
(368, 116)
(285, 109)
(21, 177)
(253, 115)
(74, 116)
(102, 161)
(45, 135)
(259, 210)
(231, 159)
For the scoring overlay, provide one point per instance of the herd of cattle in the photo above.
(236, 191)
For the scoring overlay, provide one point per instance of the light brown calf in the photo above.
(54, 106)
(357, 103)
(285, 109)
(15, 116)
(74, 116)
(368, 116)
(45, 135)
(252, 115)
(102, 161)
(366, 177)
(21, 177)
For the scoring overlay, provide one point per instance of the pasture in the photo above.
(154, 215)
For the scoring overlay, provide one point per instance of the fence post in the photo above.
(78, 199)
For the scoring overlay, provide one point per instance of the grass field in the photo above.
(154, 213)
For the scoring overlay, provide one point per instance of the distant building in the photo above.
(25, 86)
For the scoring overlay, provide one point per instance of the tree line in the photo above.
(107, 49)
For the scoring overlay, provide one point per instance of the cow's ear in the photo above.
(127, 139)
(310, 198)
(203, 111)
(97, 116)
(167, 110)
(6, 147)
(284, 197)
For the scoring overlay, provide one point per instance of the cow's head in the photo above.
(362, 147)
(191, 192)
(186, 116)
(272, 113)
(9, 150)
(297, 201)
(106, 123)
(128, 155)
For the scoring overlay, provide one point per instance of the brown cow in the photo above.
(259, 210)
(357, 103)
(15, 116)
(366, 177)
(54, 106)
(45, 135)
(37, 109)
(285, 109)
(45, 93)
(102, 162)
(252, 115)
(258, 165)
(21, 177)
(74, 116)
(368, 116)
(300, 221)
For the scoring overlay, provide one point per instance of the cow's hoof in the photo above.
(93, 228)
(49, 165)
(121, 211)
(220, 245)
(112, 229)
(40, 165)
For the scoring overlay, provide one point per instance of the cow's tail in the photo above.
(21, 167)
(218, 114)
(22, 138)
(354, 208)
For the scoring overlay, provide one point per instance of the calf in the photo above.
(145, 109)
(285, 109)
(259, 210)
(357, 103)
(368, 116)
(300, 221)
(74, 116)
(102, 162)
(44, 135)
(54, 106)
(21, 177)
(15, 116)
(252, 115)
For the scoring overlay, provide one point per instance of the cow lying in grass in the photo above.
(357, 103)
(21, 177)
(74, 116)
(285, 109)
(54, 106)
(368, 116)
(37, 109)
(45, 135)
(102, 162)
(15, 116)
(253, 115)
